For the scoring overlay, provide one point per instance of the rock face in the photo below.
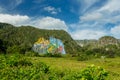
(52, 45)
(106, 40)
(83, 43)
(103, 41)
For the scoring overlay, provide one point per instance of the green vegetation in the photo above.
(107, 46)
(19, 67)
(22, 38)
(19, 62)
(73, 65)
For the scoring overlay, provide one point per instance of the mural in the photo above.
(52, 45)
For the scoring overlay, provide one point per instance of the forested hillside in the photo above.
(106, 45)
(22, 38)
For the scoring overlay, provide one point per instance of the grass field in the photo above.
(110, 64)
(20, 67)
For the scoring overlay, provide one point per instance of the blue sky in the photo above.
(83, 19)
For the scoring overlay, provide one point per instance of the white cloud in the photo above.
(50, 23)
(101, 17)
(52, 10)
(109, 13)
(49, 8)
(112, 5)
(14, 19)
(92, 25)
(115, 31)
(91, 17)
(86, 4)
(42, 23)
(87, 34)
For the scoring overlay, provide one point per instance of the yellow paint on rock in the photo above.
(42, 41)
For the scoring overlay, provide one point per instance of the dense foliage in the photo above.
(22, 38)
(18, 67)
(106, 46)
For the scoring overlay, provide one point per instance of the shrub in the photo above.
(16, 66)
(90, 73)
(42, 67)
(83, 57)
(94, 73)
(23, 62)
(31, 54)
(53, 55)
(17, 60)
(13, 49)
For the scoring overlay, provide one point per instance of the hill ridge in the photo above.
(25, 36)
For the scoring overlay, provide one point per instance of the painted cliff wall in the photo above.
(52, 45)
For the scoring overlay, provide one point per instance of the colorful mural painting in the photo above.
(52, 45)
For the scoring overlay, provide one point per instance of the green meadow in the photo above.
(21, 67)
(112, 65)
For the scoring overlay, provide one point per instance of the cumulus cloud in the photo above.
(107, 13)
(14, 19)
(50, 23)
(115, 31)
(42, 23)
(87, 34)
(52, 10)
(95, 24)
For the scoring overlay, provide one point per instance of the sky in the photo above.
(82, 19)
